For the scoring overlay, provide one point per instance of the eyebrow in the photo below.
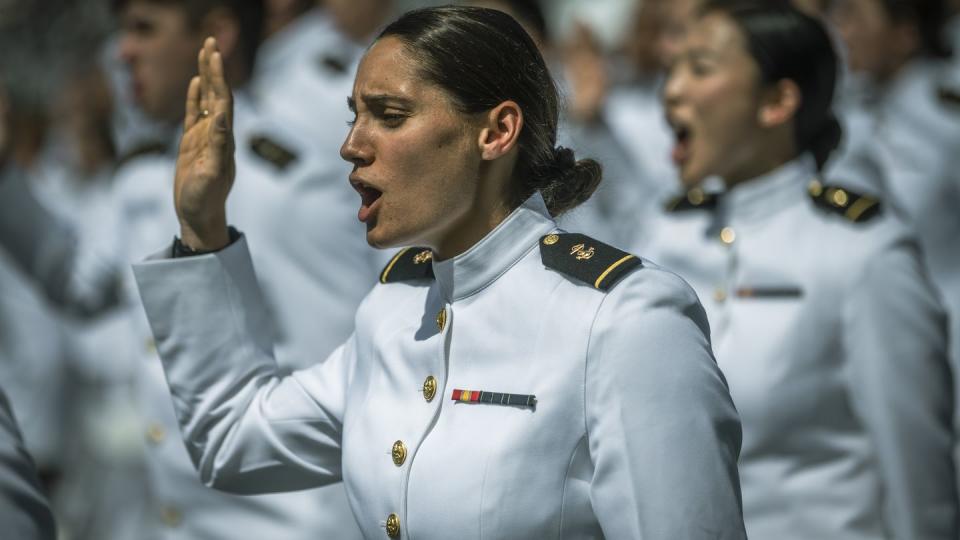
(381, 100)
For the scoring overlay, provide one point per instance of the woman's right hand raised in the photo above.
(205, 164)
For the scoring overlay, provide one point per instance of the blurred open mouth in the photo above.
(683, 135)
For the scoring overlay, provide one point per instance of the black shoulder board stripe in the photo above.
(408, 264)
(585, 259)
(332, 63)
(855, 207)
(695, 199)
(949, 96)
(272, 152)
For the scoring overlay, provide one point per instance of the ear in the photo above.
(223, 25)
(500, 130)
(779, 103)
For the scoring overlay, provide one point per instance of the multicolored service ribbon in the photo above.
(497, 398)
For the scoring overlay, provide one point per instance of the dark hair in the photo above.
(481, 58)
(930, 18)
(787, 43)
(249, 14)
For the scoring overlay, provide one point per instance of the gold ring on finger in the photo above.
(204, 113)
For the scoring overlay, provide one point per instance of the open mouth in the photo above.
(369, 196)
(681, 147)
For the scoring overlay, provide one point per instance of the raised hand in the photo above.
(205, 165)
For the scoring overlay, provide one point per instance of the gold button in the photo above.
(719, 295)
(171, 516)
(815, 188)
(393, 526)
(695, 196)
(156, 433)
(727, 235)
(840, 198)
(429, 388)
(399, 453)
(551, 239)
(442, 319)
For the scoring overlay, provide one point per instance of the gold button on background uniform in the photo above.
(393, 526)
(727, 235)
(719, 294)
(442, 319)
(171, 516)
(551, 239)
(156, 433)
(429, 388)
(840, 198)
(399, 453)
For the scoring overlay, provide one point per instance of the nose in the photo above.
(673, 87)
(356, 148)
(126, 48)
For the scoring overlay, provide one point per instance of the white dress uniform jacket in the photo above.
(24, 513)
(834, 345)
(633, 434)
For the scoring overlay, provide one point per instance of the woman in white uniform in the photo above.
(505, 380)
(823, 318)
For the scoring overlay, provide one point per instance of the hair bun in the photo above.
(564, 158)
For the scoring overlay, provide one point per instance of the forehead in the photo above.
(718, 35)
(168, 13)
(388, 69)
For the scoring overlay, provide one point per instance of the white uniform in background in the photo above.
(23, 508)
(316, 266)
(834, 345)
(908, 134)
(500, 399)
(303, 76)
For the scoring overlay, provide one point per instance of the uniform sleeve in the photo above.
(900, 381)
(77, 276)
(24, 512)
(247, 429)
(663, 432)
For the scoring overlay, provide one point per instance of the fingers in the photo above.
(215, 97)
(193, 104)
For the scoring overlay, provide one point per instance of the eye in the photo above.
(700, 68)
(393, 120)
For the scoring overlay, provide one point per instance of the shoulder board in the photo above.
(949, 96)
(145, 149)
(408, 264)
(582, 258)
(695, 199)
(271, 151)
(332, 64)
(853, 206)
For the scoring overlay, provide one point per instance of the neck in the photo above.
(765, 160)
(488, 209)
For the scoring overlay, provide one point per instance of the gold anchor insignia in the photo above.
(582, 254)
(422, 257)
(551, 239)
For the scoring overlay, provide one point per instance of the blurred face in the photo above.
(415, 157)
(358, 19)
(867, 33)
(160, 50)
(676, 16)
(712, 99)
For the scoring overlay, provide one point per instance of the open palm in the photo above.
(205, 165)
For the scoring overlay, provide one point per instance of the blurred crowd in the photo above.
(91, 98)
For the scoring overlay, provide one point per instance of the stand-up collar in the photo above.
(768, 194)
(488, 259)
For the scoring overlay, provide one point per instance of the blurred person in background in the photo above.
(297, 206)
(823, 318)
(903, 120)
(306, 64)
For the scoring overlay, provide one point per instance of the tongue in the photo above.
(369, 198)
(680, 152)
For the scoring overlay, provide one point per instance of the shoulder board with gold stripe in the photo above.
(855, 207)
(582, 258)
(408, 264)
(949, 96)
(272, 151)
(695, 199)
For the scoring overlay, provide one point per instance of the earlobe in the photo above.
(501, 130)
